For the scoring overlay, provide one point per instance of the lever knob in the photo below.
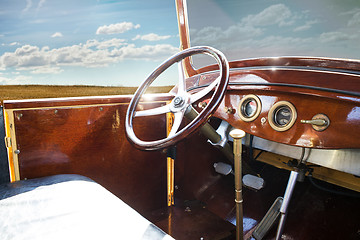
(319, 122)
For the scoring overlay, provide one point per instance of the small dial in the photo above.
(282, 116)
(249, 108)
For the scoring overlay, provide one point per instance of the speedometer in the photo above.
(282, 116)
(250, 108)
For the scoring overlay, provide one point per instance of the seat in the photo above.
(69, 207)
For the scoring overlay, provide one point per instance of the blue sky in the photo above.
(260, 28)
(118, 43)
(85, 41)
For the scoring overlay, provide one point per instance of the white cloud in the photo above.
(38, 21)
(57, 34)
(21, 79)
(249, 28)
(117, 28)
(306, 26)
(147, 52)
(355, 20)
(91, 54)
(10, 44)
(26, 50)
(276, 14)
(40, 4)
(14, 43)
(28, 6)
(46, 69)
(115, 42)
(335, 37)
(223, 38)
(151, 37)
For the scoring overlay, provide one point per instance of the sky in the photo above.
(262, 28)
(119, 43)
(86, 42)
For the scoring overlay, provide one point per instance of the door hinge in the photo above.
(8, 142)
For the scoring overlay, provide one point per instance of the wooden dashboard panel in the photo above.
(311, 92)
(341, 133)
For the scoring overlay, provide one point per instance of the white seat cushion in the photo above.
(69, 207)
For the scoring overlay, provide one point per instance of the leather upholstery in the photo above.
(68, 207)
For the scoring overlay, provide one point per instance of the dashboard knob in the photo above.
(319, 122)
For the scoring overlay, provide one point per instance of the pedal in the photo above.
(223, 168)
(269, 219)
(253, 182)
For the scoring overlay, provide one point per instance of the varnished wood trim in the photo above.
(170, 181)
(78, 101)
(79, 106)
(341, 65)
(181, 9)
(13, 159)
(170, 164)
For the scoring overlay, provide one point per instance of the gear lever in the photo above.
(237, 135)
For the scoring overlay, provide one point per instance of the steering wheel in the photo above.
(181, 103)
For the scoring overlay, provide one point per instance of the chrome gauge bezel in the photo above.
(245, 100)
(273, 110)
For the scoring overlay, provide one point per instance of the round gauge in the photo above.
(282, 116)
(250, 108)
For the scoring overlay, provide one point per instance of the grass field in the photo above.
(12, 92)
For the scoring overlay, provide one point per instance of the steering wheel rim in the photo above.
(186, 99)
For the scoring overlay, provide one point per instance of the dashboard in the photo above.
(304, 107)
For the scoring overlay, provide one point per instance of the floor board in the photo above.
(313, 213)
(192, 222)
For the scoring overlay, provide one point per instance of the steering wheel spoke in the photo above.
(181, 85)
(178, 117)
(153, 111)
(197, 96)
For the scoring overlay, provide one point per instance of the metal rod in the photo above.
(171, 155)
(208, 131)
(284, 206)
(170, 181)
(237, 135)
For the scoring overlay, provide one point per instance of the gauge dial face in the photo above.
(249, 108)
(282, 116)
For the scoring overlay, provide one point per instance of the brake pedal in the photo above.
(253, 182)
(269, 219)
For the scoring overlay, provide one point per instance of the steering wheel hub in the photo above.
(178, 102)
